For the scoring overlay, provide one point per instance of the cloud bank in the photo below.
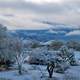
(22, 13)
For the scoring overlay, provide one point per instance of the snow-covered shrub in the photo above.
(5, 54)
(74, 45)
(61, 65)
(64, 59)
(68, 55)
(41, 56)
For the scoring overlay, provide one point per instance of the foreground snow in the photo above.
(34, 72)
(38, 72)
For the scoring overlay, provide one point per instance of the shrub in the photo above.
(56, 45)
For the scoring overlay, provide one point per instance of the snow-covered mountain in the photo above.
(48, 34)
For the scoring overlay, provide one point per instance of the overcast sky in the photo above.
(21, 14)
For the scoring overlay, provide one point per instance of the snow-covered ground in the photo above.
(34, 72)
(38, 72)
(77, 55)
(73, 73)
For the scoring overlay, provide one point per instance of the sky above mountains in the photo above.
(26, 14)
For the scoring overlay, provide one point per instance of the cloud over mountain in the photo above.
(73, 33)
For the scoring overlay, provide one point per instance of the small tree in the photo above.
(19, 53)
(50, 68)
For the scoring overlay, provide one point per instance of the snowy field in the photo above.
(38, 72)
(34, 72)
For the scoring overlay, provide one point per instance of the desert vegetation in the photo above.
(15, 54)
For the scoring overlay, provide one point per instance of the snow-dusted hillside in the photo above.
(48, 34)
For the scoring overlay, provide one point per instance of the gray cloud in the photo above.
(67, 12)
(66, 6)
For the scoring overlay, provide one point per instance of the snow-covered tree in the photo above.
(3, 41)
(19, 53)
(5, 52)
(71, 56)
(68, 55)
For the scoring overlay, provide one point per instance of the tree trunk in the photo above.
(20, 69)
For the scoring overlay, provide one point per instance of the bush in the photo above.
(56, 45)
(5, 64)
(74, 45)
(68, 55)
